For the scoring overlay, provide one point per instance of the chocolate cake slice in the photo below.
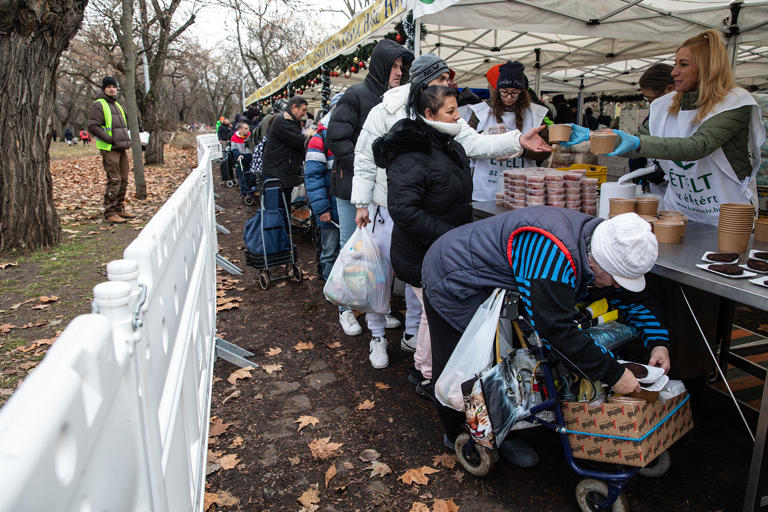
(761, 254)
(760, 265)
(725, 257)
(638, 370)
(727, 268)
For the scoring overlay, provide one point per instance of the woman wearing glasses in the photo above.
(510, 108)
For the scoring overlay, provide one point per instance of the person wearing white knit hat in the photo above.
(625, 249)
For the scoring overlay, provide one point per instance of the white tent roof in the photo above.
(607, 42)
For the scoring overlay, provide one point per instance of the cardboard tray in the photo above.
(638, 433)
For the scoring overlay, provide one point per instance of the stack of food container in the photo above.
(535, 186)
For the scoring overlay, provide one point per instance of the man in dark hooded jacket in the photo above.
(384, 72)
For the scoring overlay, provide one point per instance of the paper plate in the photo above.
(654, 373)
(658, 385)
(747, 273)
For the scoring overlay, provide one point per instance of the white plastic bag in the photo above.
(473, 354)
(359, 279)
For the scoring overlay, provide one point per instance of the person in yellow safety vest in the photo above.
(108, 125)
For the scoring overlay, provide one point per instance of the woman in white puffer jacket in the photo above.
(369, 183)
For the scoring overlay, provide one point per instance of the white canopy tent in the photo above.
(607, 43)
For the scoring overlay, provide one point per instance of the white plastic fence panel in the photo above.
(70, 438)
(116, 415)
(176, 257)
(209, 141)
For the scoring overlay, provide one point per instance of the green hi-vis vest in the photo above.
(108, 123)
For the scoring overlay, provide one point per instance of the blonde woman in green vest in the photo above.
(108, 125)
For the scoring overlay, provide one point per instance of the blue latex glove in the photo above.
(628, 143)
(579, 134)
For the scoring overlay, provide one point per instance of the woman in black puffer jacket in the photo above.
(430, 193)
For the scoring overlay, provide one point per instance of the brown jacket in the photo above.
(119, 138)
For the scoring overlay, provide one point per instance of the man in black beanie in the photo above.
(109, 126)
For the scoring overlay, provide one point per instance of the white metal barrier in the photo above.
(209, 141)
(116, 415)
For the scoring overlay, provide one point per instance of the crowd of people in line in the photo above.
(405, 161)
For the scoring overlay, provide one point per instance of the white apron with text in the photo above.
(487, 178)
(699, 188)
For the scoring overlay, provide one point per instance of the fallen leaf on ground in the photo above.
(378, 469)
(216, 379)
(445, 506)
(381, 385)
(228, 305)
(303, 346)
(41, 306)
(294, 461)
(323, 448)
(446, 460)
(17, 306)
(365, 405)
(330, 474)
(417, 476)
(218, 427)
(369, 455)
(221, 293)
(214, 455)
(348, 465)
(281, 285)
(6, 328)
(33, 345)
(45, 299)
(236, 443)
(303, 421)
(419, 507)
(458, 475)
(231, 396)
(270, 368)
(7, 264)
(220, 499)
(221, 301)
(274, 351)
(310, 497)
(241, 373)
(229, 461)
(38, 324)
(335, 344)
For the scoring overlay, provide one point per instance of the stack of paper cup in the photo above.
(611, 190)
(589, 195)
(734, 226)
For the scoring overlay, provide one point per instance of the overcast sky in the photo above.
(213, 24)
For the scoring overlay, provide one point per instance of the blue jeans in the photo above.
(329, 240)
(347, 212)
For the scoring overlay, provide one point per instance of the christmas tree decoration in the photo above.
(353, 69)
(346, 74)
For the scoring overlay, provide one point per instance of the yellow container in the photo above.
(593, 171)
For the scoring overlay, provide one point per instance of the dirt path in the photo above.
(262, 458)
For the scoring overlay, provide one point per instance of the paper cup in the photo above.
(602, 142)
(668, 231)
(646, 205)
(559, 133)
(619, 205)
(761, 230)
(732, 242)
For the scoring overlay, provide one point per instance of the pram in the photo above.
(269, 238)
(604, 482)
(227, 167)
(249, 183)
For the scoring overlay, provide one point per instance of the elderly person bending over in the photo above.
(555, 258)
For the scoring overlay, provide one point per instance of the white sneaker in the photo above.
(378, 352)
(408, 342)
(392, 322)
(349, 323)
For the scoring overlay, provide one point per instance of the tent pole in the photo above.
(417, 37)
(537, 66)
(732, 44)
(325, 93)
(580, 103)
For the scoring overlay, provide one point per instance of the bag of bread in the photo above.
(359, 279)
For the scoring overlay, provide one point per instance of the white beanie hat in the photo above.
(625, 248)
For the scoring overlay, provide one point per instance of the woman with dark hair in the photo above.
(654, 83)
(510, 108)
(429, 187)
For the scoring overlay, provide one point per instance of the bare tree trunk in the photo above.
(125, 36)
(32, 37)
(154, 154)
